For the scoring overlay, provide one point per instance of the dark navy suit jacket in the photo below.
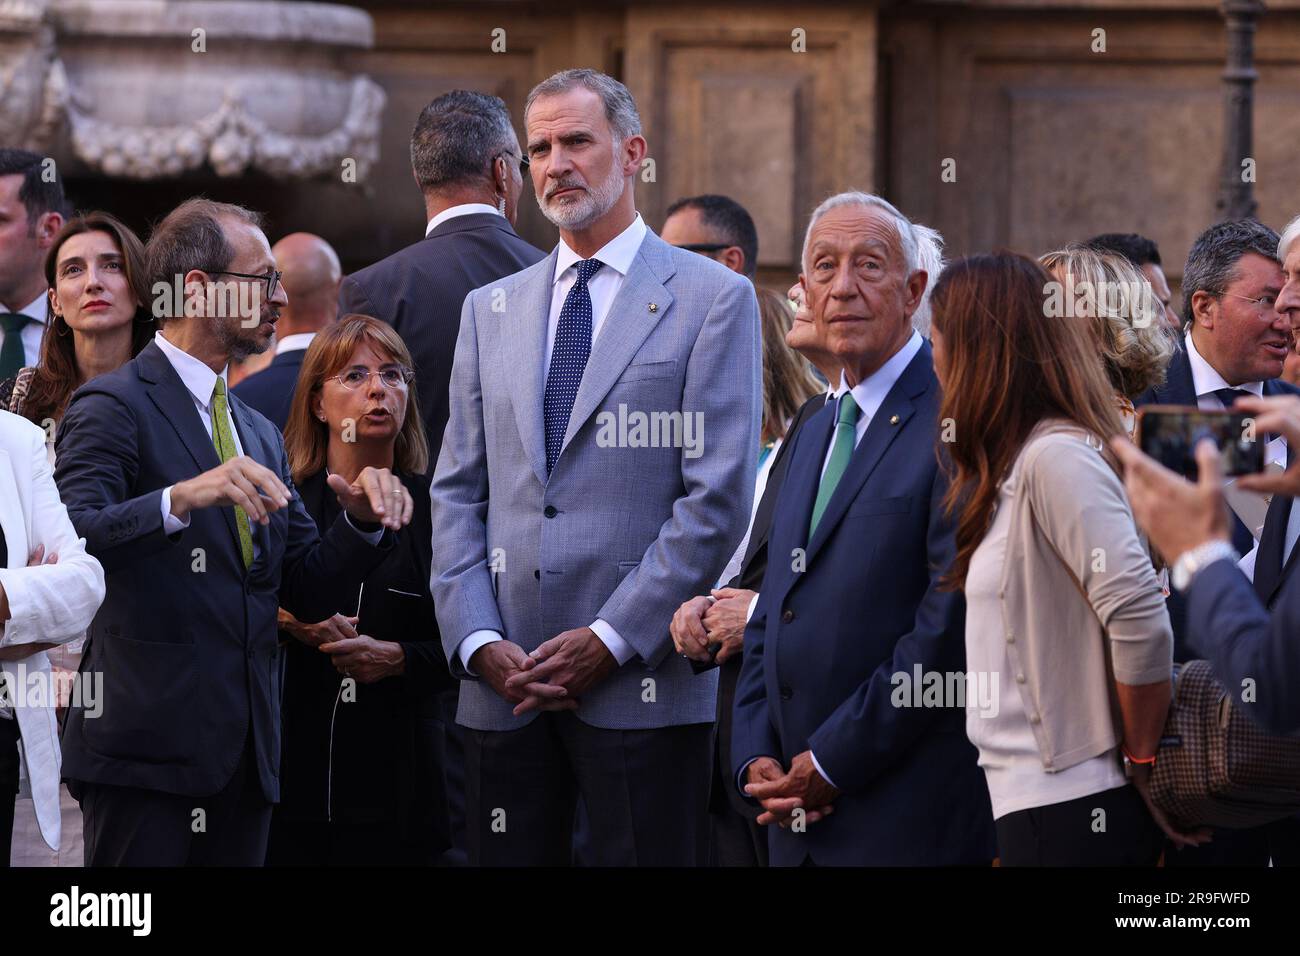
(186, 637)
(420, 290)
(1228, 625)
(1180, 389)
(824, 643)
(270, 391)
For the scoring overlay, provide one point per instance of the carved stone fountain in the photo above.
(148, 89)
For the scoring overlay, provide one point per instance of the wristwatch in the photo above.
(1189, 562)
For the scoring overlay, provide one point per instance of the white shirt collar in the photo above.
(871, 391)
(617, 254)
(291, 343)
(38, 308)
(199, 380)
(1206, 379)
(465, 209)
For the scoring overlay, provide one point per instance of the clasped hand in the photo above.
(781, 793)
(553, 677)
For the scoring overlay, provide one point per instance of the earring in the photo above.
(501, 205)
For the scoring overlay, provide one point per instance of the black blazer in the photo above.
(750, 578)
(186, 636)
(270, 391)
(383, 766)
(419, 291)
(1180, 389)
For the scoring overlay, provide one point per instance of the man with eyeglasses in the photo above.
(311, 277)
(717, 227)
(1235, 346)
(184, 495)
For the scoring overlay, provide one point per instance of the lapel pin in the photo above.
(653, 307)
(893, 419)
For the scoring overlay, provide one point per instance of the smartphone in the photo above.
(1169, 434)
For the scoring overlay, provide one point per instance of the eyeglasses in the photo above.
(705, 246)
(272, 278)
(1264, 302)
(391, 376)
(523, 162)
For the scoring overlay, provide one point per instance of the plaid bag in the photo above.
(1215, 766)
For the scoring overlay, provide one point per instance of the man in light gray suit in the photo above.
(597, 468)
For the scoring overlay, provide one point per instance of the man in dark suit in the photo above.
(470, 169)
(469, 166)
(1236, 344)
(1238, 337)
(183, 493)
(851, 595)
(310, 274)
(709, 629)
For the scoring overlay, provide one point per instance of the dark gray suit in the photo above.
(419, 291)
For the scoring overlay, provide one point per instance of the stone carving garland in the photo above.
(41, 98)
(232, 140)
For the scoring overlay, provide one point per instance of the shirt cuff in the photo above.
(818, 768)
(753, 603)
(621, 649)
(466, 648)
(370, 537)
(171, 523)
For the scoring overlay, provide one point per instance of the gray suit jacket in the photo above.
(620, 531)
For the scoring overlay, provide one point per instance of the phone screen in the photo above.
(1169, 434)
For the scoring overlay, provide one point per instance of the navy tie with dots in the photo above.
(569, 357)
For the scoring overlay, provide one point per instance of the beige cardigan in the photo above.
(1072, 533)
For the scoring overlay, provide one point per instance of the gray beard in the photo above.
(581, 213)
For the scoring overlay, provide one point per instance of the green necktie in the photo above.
(841, 451)
(225, 445)
(12, 356)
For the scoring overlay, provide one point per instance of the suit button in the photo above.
(786, 693)
(250, 652)
(787, 616)
(550, 511)
(537, 575)
(1020, 678)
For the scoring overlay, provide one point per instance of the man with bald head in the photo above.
(311, 278)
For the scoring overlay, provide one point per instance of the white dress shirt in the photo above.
(617, 255)
(294, 343)
(871, 391)
(200, 381)
(38, 309)
(1206, 379)
(464, 209)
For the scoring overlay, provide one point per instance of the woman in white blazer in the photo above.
(41, 605)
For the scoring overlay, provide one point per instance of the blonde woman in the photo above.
(1123, 316)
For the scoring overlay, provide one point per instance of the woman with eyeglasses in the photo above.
(360, 769)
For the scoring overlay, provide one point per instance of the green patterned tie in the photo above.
(841, 451)
(225, 445)
(12, 356)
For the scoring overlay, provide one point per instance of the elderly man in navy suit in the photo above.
(851, 596)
